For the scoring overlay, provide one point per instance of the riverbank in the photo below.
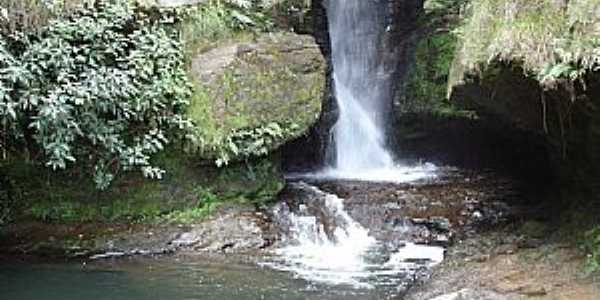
(493, 233)
(511, 263)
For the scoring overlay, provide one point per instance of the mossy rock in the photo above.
(549, 39)
(276, 78)
(533, 66)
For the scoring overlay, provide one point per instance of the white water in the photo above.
(350, 256)
(314, 256)
(362, 82)
(362, 86)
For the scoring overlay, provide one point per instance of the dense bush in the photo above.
(103, 89)
(592, 247)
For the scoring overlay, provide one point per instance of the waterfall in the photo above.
(333, 255)
(322, 242)
(362, 81)
(362, 85)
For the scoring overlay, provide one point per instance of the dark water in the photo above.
(165, 278)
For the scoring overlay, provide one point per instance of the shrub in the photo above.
(219, 20)
(591, 246)
(103, 89)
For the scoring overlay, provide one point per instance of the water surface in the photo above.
(180, 278)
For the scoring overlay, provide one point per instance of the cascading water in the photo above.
(363, 88)
(361, 85)
(325, 245)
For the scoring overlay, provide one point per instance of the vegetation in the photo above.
(552, 40)
(545, 54)
(32, 15)
(427, 86)
(591, 246)
(103, 89)
(6, 201)
(203, 27)
(189, 192)
(97, 89)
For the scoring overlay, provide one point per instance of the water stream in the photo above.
(362, 81)
(325, 244)
(325, 253)
(339, 240)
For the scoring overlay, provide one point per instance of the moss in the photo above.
(58, 197)
(427, 85)
(272, 85)
(537, 34)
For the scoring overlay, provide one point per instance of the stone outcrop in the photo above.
(274, 78)
(525, 87)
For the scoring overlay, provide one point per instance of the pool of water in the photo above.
(170, 278)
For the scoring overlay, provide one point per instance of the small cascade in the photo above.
(323, 244)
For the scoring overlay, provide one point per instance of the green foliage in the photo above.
(254, 142)
(551, 39)
(118, 209)
(591, 246)
(256, 182)
(426, 89)
(443, 12)
(207, 202)
(44, 195)
(103, 89)
(427, 86)
(251, 183)
(219, 20)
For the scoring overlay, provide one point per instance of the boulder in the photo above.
(234, 230)
(273, 78)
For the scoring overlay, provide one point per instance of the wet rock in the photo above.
(236, 231)
(535, 229)
(440, 223)
(108, 255)
(529, 243)
(469, 294)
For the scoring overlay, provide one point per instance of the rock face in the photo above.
(237, 230)
(526, 90)
(565, 130)
(274, 78)
(468, 294)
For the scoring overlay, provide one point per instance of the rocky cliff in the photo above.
(534, 67)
